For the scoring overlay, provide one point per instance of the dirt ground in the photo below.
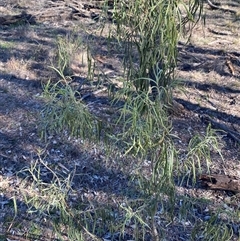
(208, 66)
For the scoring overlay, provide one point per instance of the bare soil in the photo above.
(209, 68)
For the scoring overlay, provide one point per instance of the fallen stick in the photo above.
(220, 182)
(14, 19)
(213, 6)
(231, 133)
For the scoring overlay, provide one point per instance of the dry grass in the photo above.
(19, 68)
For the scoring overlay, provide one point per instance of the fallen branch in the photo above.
(220, 182)
(73, 10)
(15, 19)
(213, 6)
(231, 133)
